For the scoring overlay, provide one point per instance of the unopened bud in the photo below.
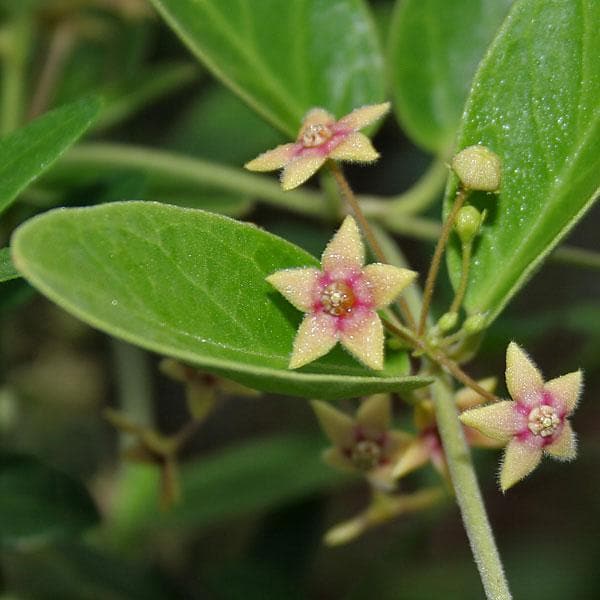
(447, 321)
(474, 324)
(478, 168)
(468, 222)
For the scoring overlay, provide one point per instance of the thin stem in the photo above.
(14, 50)
(61, 43)
(350, 198)
(172, 168)
(468, 494)
(437, 257)
(464, 277)
(440, 358)
(416, 199)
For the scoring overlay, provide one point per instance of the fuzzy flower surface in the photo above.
(320, 138)
(535, 422)
(364, 444)
(341, 300)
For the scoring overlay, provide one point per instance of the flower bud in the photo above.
(478, 168)
(468, 222)
(474, 324)
(447, 321)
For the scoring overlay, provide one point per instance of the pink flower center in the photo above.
(315, 135)
(338, 299)
(543, 421)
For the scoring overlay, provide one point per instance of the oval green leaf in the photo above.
(39, 503)
(28, 152)
(434, 49)
(188, 284)
(284, 58)
(535, 103)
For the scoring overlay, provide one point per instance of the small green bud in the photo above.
(478, 168)
(447, 321)
(474, 324)
(468, 222)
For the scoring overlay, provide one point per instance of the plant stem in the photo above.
(14, 50)
(468, 494)
(464, 277)
(159, 165)
(440, 358)
(350, 198)
(437, 257)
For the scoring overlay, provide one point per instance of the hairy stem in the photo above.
(468, 494)
(437, 257)
(350, 198)
(440, 358)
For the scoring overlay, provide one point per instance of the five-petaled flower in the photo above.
(341, 301)
(321, 137)
(534, 422)
(365, 444)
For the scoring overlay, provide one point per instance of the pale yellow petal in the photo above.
(478, 440)
(365, 340)
(365, 115)
(386, 282)
(296, 285)
(336, 425)
(523, 378)
(355, 147)
(468, 398)
(375, 413)
(336, 459)
(499, 421)
(566, 390)
(316, 337)
(414, 456)
(317, 116)
(564, 446)
(272, 159)
(520, 458)
(346, 249)
(299, 169)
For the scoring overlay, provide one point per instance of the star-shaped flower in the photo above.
(341, 301)
(321, 137)
(426, 446)
(535, 422)
(365, 444)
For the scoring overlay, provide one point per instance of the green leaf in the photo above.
(29, 151)
(40, 503)
(188, 284)
(283, 58)
(7, 270)
(434, 49)
(534, 103)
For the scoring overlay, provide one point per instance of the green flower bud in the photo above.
(447, 321)
(474, 324)
(468, 222)
(478, 168)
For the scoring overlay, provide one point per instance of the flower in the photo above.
(535, 422)
(426, 446)
(364, 444)
(341, 301)
(322, 137)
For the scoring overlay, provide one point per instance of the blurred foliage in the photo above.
(78, 522)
